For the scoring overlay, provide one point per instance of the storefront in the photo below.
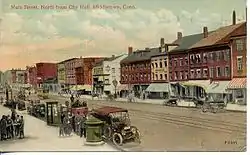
(158, 91)
(217, 91)
(196, 88)
(238, 86)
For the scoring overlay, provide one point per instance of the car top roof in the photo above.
(108, 110)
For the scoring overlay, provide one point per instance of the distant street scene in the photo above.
(123, 77)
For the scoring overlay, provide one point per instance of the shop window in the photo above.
(192, 73)
(205, 72)
(198, 73)
(239, 63)
(227, 71)
(239, 93)
(218, 72)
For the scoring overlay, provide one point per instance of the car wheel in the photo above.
(107, 132)
(117, 139)
(136, 133)
(215, 109)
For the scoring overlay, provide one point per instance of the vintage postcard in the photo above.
(127, 75)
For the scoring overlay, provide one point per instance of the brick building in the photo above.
(45, 71)
(210, 62)
(32, 77)
(136, 70)
(70, 65)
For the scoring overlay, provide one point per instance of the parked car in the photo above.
(117, 126)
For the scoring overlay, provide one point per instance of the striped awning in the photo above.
(158, 87)
(237, 83)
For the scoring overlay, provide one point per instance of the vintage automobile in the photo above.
(21, 105)
(79, 107)
(43, 93)
(117, 125)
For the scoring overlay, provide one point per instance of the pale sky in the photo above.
(30, 36)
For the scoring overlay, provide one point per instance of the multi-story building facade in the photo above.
(179, 62)
(7, 77)
(83, 73)
(159, 86)
(45, 71)
(136, 70)
(70, 77)
(32, 76)
(61, 75)
(210, 61)
(19, 78)
(105, 73)
(238, 84)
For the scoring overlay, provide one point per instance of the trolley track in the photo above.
(196, 122)
(207, 124)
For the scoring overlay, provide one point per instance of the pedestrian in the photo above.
(61, 129)
(82, 127)
(21, 128)
(17, 125)
(77, 123)
(9, 127)
(72, 98)
(3, 125)
(1, 100)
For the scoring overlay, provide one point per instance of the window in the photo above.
(186, 74)
(198, 73)
(175, 75)
(170, 76)
(192, 73)
(156, 77)
(205, 73)
(211, 72)
(175, 62)
(239, 45)
(161, 77)
(186, 61)
(204, 57)
(165, 63)
(181, 75)
(239, 63)
(170, 62)
(239, 93)
(152, 65)
(181, 62)
(191, 59)
(113, 70)
(156, 65)
(217, 55)
(153, 76)
(227, 55)
(198, 58)
(160, 64)
(227, 71)
(218, 72)
(166, 76)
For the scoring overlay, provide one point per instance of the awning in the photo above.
(158, 87)
(200, 83)
(237, 83)
(81, 87)
(218, 87)
(26, 86)
(122, 87)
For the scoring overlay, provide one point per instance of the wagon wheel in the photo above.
(107, 132)
(117, 139)
(204, 108)
(215, 109)
(137, 134)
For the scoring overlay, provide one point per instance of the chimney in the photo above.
(162, 42)
(179, 35)
(130, 50)
(205, 32)
(234, 18)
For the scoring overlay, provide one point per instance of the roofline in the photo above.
(179, 51)
(129, 62)
(210, 46)
(236, 36)
(67, 60)
(163, 54)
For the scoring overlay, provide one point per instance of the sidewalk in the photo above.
(230, 107)
(41, 137)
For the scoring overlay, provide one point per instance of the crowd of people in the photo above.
(11, 126)
(75, 123)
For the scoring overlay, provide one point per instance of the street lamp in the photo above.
(115, 85)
